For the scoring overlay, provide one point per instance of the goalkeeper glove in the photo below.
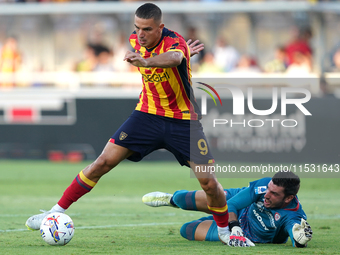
(302, 233)
(236, 237)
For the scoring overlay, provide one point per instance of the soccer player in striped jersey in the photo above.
(167, 116)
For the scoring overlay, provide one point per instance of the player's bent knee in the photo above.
(200, 230)
(101, 166)
(101, 163)
(188, 230)
(209, 185)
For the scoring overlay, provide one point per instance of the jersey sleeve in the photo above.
(177, 44)
(134, 41)
(249, 195)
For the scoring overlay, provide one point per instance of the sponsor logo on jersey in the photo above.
(122, 135)
(156, 77)
(260, 189)
(259, 218)
(277, 216)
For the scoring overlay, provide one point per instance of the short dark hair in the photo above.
(149, 11)
(288, 180)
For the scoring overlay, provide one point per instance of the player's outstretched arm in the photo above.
(164, 60)
(302, 233)
(194, 48)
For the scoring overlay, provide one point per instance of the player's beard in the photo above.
(276, 205)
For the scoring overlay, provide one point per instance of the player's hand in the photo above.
(195, 49)
(226, 237)
(302, 233)
(237, 239)
(135, 59)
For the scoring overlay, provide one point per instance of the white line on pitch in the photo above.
(102, 215)
(184, 214)
(106, 226)
(130, 225)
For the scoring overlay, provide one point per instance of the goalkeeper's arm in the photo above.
(302, 233)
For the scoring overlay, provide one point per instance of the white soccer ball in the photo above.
(57, 229)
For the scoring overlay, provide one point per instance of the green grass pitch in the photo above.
(112, 219)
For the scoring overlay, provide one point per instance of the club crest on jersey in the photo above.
(122, 135)
(277, 216)
(260, 189)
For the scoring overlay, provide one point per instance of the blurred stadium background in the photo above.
(64, 88)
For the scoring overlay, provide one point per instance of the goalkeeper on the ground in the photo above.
(267, 211)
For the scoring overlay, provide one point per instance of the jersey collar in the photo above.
(161, 39)
(291, 204)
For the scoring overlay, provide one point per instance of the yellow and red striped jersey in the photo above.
(167, 91)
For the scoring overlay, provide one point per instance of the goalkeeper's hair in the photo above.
(288, 180)
(149, 11)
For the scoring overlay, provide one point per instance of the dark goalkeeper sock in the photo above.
(184, 199)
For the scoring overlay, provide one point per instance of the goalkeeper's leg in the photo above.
(187, 200)
(203, 229)
(191, 200)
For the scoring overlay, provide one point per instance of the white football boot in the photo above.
(157, 198)
(34, 222)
